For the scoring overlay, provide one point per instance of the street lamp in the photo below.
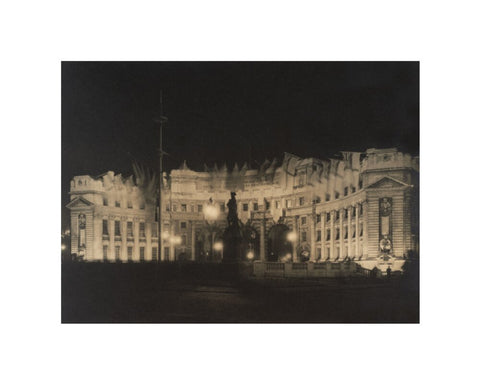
(211, 213)
(292, 238)
(218, 246)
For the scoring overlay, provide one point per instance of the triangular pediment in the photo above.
(79, 202)
(388, 182)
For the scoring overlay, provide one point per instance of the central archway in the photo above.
(278, 245)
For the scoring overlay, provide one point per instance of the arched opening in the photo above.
(251, 243)
(279, 248)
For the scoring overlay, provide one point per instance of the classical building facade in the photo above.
(358, 206)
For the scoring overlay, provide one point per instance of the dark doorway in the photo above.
(278, 245)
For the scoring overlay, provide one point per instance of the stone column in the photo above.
(332, 235)
(148, 242)
(357, 232)
(192, 225)
(123, 231)
(349, 229)
(313, 233)
(136, 242)
(111, 234)
(340, 226)
(262, 239)
(324, 235)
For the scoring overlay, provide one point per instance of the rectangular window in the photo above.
(129, 253)
(319, 253)
(117, 252)
(337, 215)
(129, 204)
(166, 253)
(200, 208)
(105, 252)
(277, 204)
(337, 233)
(328, 217)
(337, 195)
(319, 235)
(327, 197)
(328, 252)
(117, 228)
(354, 211)
(105, 201)
(360, 184)
(142, 253)
(345, 191)
(245, 207)
(345, 232)
(183, 225)
(105, 227)
(117, 203)
(154, 230)
(142, 229)
(303, 220)
(184, 207)
(354, 189)
(345, 213)
(319, 218)
(361, 230)
(361, 210)
(255, 206)
(129, 229)
(304, 236)
(353, 232)
(267, 205)
(154, 254)
(301, 201)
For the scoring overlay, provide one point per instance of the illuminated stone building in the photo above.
(359, 206)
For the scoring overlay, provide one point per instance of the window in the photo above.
(117, 252)
(360, 184)
(184, 207)
(117, 203)
(154, 230)
(345, 213)
(142, 229)
(105, 252)
(142, 253)
(345, 232)
(166, 253)
(255, 206)
(200, 208)
(105, 227)
(117, 228)
(301, 201)
(328, 252)
(361, 209)
(129, 253)
(361, 230)
(245, 207)
(337, 233)
(337, 215)
(328, 217)
(154, 253)
(105, 201)
(301, 179)
(129, 229)
(319, 218)
(304, 236)
(354, 211)
(303, 220)
(345, 191)
(353, 232)
(327, 197)
(183, 225)
(354, 189)
(277, 204)
(129, 204)
(267, 205)
(319, 235)
(328, 235)
(337, 195)
(319, 253)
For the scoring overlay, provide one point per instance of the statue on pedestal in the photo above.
(233, 239)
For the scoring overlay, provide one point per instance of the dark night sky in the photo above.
(221, 111)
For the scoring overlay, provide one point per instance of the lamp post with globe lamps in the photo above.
(211, 213)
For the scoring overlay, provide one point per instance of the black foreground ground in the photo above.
(209, 293)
